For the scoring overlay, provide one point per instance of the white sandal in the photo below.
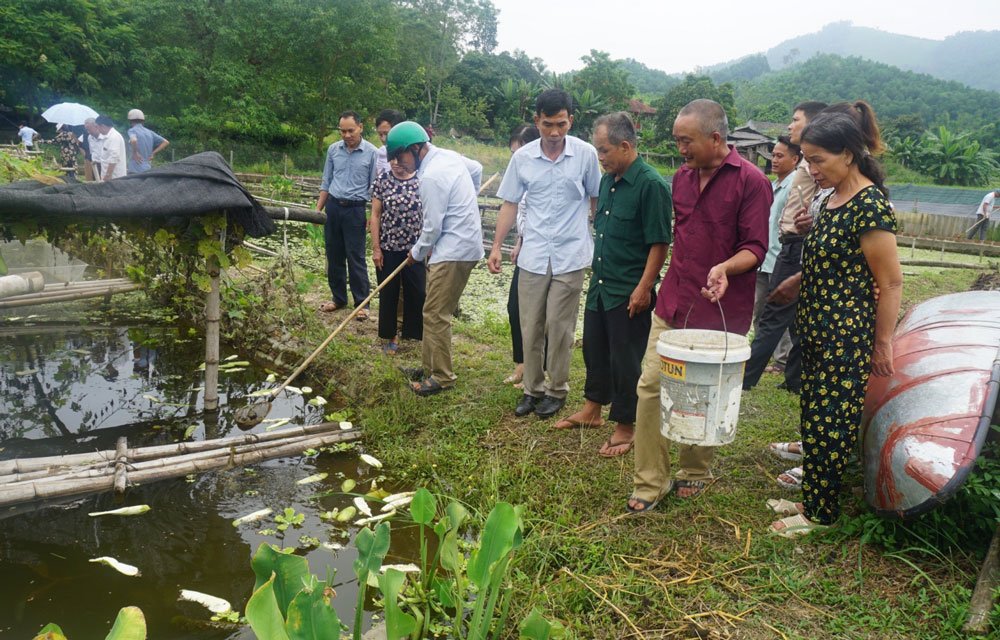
(795, 526)
(795, 473)
(783, 507)
(783, 450)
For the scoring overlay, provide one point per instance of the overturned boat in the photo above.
(924, 426)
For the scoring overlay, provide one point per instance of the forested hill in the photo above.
(889, 90)
(969, 57)
(647, 81)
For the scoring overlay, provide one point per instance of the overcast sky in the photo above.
(677, 36)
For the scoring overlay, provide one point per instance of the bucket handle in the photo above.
(725, 331)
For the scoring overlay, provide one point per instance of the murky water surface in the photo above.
(71, 389)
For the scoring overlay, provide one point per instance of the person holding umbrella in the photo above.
(68, 149)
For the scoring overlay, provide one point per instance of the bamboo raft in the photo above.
(53, 477)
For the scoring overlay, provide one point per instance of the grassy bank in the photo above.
(704, 568)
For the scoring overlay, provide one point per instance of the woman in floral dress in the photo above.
(846, 333)
(396, 221)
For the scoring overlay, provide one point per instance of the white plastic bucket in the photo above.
(701, 381)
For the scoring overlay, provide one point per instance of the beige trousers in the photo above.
(651, 479)
(549, 306)
(445, 283)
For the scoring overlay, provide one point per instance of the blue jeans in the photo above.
(344, 233)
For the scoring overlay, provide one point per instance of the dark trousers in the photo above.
(980, 230)
(412, 280)
(344, 233)
(613, 347)
(772, 323)
(514, 316)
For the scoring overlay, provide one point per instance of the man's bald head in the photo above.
(709, 114)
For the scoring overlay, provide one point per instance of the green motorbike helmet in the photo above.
(402, 136)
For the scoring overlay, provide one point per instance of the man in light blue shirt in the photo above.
(452, 237)
(144, 143)
(348, 176)
(784, 158)
(384, 121)
(771, 336)
(559, 178)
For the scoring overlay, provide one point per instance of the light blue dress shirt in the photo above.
(146, 140)
(475, 171)
(773, 244)
(349, 175)
(452, 227)
(382, 161)
(556, 196)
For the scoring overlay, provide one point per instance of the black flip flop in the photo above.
(428, 387)
(416, 374)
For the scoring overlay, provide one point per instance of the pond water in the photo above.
(69, 389)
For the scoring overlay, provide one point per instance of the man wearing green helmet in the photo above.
(452, 236)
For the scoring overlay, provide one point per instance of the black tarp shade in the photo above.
(194, 186)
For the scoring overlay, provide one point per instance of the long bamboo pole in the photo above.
(147, 453)
(211, 397)
(79, 295)
(983, 595)
(84, 284)
(52, 293)
(32, 491)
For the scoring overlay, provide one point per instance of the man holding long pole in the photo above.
(986, 207)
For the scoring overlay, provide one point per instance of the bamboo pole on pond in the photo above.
(85, 284)
(212, 315)
(60, 488)
(44, 297)
(123, 465)
(10, 467)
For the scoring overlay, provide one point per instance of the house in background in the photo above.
(752, 143)
(640, 111)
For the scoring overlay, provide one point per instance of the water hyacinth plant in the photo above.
(450, 589)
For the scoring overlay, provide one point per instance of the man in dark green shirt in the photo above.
(632, 233)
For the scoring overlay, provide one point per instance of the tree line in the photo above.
(277, 73)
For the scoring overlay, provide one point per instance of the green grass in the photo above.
(704, 568)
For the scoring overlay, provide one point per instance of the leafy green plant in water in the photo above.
(470, 595)
(315, 239)
(289, 519)
(372, 547)
(129, 625)
(288, 602)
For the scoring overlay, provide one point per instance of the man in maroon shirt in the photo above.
(721, 208)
